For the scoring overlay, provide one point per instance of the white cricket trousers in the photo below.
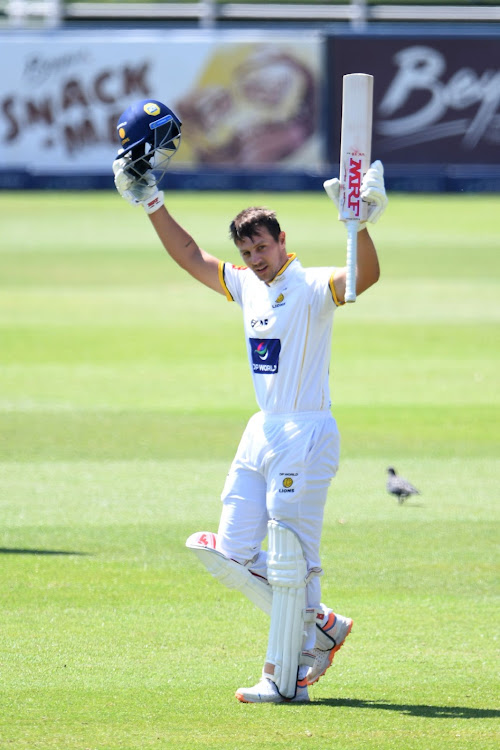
(282, 469)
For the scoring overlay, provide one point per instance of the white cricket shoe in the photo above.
(330, 637)
(266, 691)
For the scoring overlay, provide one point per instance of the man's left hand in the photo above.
(373, 191)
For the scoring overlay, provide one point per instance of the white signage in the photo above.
(243, 102)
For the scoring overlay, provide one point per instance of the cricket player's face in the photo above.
(262, 254)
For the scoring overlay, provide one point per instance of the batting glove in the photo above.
(137, 190)
(372, 192)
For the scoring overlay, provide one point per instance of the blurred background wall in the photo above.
(258, 87)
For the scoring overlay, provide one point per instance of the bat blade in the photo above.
(355, 155)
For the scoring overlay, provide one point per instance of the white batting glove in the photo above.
(138, 191)
(372, 192)
(332, 188)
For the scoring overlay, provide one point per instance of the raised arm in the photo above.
(185, 251)
(178, 243)
(367, 266)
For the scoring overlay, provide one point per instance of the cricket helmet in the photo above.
(150, 134)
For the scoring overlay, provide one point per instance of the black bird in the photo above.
(399, 487)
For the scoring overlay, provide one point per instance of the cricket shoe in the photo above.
(266, 691)
(330, 637)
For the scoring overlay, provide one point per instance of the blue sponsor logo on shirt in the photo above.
(265, 355)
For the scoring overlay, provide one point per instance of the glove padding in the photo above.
(138, 190)
(372, 192)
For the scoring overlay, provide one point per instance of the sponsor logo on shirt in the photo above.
(280, 301)
(265, 355)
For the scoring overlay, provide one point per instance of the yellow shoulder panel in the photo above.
(334, 294)
(228, 294)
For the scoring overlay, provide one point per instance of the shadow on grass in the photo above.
(17, 551)
(431, 712)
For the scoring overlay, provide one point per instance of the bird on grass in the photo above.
(399, 487)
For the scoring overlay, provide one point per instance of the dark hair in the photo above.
(249, 221)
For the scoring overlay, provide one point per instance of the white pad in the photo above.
(236, 576)
(287, 574)
(230, 573)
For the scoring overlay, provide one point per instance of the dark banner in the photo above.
(436, 100)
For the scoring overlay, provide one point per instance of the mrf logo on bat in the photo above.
(355, 142)
(352, 180)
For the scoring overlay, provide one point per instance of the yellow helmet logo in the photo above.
(121, 132)
(151, 109)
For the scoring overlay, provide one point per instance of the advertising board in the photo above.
(436, 108)
(245, 102)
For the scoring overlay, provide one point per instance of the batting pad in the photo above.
(230, 573)
(287, 574)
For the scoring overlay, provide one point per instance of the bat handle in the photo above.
(352, 252)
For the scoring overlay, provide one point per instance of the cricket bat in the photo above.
(355, 154)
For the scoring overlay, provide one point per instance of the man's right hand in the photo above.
(138, 190)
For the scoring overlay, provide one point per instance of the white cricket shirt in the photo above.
(288, 328)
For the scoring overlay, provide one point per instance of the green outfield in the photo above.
(123, 393)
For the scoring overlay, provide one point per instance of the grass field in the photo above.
(123, 392)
